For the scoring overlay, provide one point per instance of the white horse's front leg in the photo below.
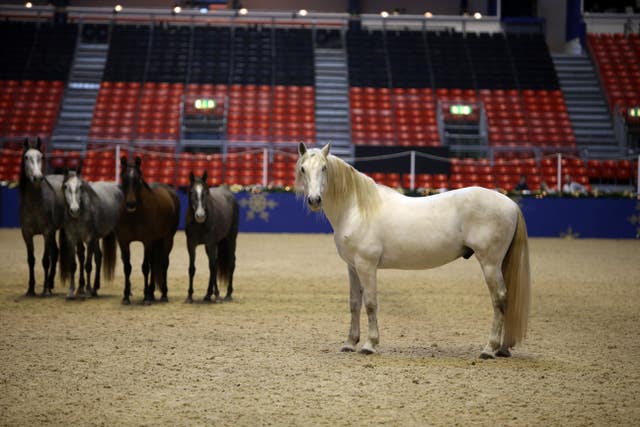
(367, 275)
(355, 304)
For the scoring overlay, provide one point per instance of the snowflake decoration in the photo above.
(570, 234)
(258, 206)
(635, 220)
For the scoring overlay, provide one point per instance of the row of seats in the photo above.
(617, 58)
(402, 116)
(257, 54)
(29, 107)
(408, 116)
(36, 50)
(247, 168)
(152, 111)
(449, 59)
(506, 174)
(219, 55)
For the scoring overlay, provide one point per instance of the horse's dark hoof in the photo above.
(148, 302)
(30, 293)
(125, 301)
(503, 353)
(228, 298)
(189, 300)
(164, 299)
(208, 300)
(486, 356)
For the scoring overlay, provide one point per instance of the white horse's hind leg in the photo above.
(355, 304)
(498, 292)
(367, 275)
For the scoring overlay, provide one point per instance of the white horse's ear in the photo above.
(325, 150)
(302, 148)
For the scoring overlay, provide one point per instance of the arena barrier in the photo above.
(283, 212)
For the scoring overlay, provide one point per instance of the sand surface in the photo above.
(271, 357)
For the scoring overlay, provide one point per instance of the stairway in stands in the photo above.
(76, 111)
(586, 105)
(332, 100)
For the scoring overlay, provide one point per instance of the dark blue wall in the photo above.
(548, 217)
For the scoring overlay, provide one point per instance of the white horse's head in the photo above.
(32, 161)
(72, 189)
(311, 174)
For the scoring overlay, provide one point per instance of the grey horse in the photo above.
(212, 220)
(91, 214)
(41, 211)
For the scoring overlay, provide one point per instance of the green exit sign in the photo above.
(204, 104)
(461, 110)
(634, 112)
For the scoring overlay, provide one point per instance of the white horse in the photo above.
(376, 227)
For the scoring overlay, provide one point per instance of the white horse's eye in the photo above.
(302, 170)
(324, 168)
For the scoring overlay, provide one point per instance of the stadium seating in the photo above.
(618, 60)
(262, 79)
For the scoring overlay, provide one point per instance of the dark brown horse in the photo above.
(149, 214)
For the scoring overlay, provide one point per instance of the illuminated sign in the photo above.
(461, 110)
(634, 112)
(204, 104)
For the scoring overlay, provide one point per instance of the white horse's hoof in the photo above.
(368, 349)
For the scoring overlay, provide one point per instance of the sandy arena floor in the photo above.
(271, 357)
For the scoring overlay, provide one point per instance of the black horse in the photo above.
(41, 212)
(212, 220)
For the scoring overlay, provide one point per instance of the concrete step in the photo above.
(335, 79)
(71, 134)
(332, 96)
(66, 113)
(79, 104)
(593, 133)
(332, 121)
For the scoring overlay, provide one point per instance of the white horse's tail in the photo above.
(515, 269)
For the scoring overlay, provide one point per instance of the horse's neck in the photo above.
(31, 191)
(341, 202)
(148, 200)
(25, 184)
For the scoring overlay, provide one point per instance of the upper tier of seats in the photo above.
(617, 58)
(448, 59)
(31, 51)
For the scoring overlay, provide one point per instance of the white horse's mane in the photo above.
(345, 182)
